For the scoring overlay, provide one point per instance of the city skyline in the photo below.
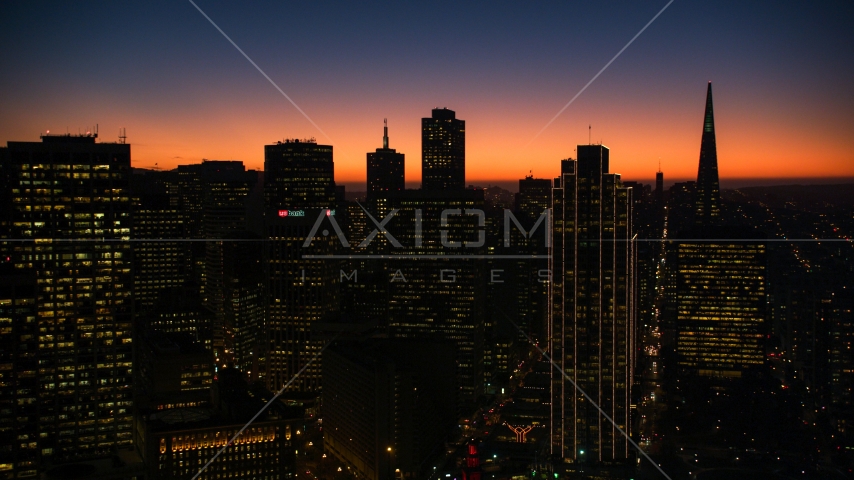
(229, 271)
(780, 81)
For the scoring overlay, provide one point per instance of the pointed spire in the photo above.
(708, 186)
(385, 133)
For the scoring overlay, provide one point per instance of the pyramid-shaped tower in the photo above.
(708, 206)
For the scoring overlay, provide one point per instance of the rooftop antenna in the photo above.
(589, 134)
(385, 133)
(659, 164)
(123, 135)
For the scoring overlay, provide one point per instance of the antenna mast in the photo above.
(123, 135)
(385, 133)
(589, 134)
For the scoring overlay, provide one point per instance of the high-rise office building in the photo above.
(591, 334)
(385, 169)
(526, 285)
(716, 278)
(19, 384)
(298, 174)
(443, 151)
(720, 301)
(77, 399)
(245, 301)
(434, 293)
(160, 257)
(708, 210)
(534, 196)
(227, 186)
(299, 190)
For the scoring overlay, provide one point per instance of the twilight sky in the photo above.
(783, 80)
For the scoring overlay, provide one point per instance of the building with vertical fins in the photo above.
(443, 151)
(717, 279)
(708, 203)
(591, 330)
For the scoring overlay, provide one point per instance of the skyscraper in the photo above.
(708, 205)
(226, 188)
(443, 151)
(159, 257)
(591, 334)
(442, 298)
(298, 186)
(716, 279)
(78, 401)
(298, 174)
(385, 169)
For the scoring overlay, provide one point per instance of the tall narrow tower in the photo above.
(385, 169)
(708, 203)
(591, 293)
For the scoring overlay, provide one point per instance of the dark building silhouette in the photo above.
(227, 187)
(72, 188)
(526, 296)
(19, 386)
(534, 196)
(385, 169)
(443, 151)
(173, 371)
(298, 174)
(180, 310)
(160, 258)
(441, 297)
(708, 204)
(211, 197)
(299, 192)
(592, 330)
(388, 404)
(245, 302)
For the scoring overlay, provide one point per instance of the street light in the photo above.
(389, 462)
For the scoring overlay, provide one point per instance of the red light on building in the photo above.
(283, 213)
(472, 469)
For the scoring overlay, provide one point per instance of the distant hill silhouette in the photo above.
(797, 196)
